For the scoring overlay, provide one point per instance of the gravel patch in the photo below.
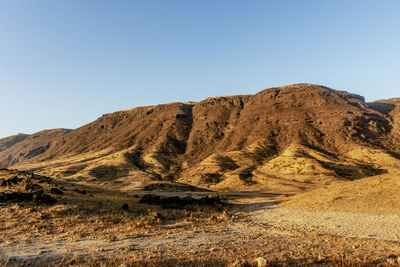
(345, 224)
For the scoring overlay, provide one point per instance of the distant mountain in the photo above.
(8, 142)
(21, 147)
(295, 137)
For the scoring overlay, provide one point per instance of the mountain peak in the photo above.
(214, 142)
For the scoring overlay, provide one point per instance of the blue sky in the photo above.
(64, 63)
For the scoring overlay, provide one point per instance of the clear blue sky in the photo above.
(64, 63)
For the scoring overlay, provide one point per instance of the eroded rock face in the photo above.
(312, 115)
(162, 128)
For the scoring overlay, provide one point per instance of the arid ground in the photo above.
(89, 226)
(296, 175)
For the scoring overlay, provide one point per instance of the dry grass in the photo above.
(375, 194)
(97, 215)
(84, 212)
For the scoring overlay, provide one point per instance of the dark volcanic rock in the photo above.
(180, 203)
(37, 197)
(11, 181)
(56, 191)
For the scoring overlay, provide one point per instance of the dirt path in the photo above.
(257, 229)
(296, 184)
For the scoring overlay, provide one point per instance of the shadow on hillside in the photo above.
(347, 171)
(382, 107)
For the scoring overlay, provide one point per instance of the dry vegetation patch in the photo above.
(81, 212)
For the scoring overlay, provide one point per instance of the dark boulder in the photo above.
(56, 191)
(11, 181)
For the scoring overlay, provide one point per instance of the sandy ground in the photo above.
(256, 229)
(356, 225)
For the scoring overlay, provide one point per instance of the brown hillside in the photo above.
(246, 141)
(160, 129)
(391, 108)
(25, 147)
(384, 105)
(8, 142)
(309, 114)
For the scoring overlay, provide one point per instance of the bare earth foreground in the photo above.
(256, 227)
(294, 175)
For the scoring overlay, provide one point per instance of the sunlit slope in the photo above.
(293, 138)
(296, 169)
(379, 193)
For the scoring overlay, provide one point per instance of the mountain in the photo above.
(8, 142)
(22, 147)
(294, 138)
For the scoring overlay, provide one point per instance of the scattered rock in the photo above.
(321, 259)
(124, 265)
(12, 181)
(38, 197)
(213, 219)
(180, 203)
(261, 262)
(390, 261)
(33, 210)
(71, 262)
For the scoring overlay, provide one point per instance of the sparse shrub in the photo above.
(74, 169)
(262, 154)
(150, 219)
(135, 158)
(246, 176)
(224, 193)
(212, 178)
(226, 163)
(156, 176)
(170, 171)
(107, 173)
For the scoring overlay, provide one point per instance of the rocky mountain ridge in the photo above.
(222, 141)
